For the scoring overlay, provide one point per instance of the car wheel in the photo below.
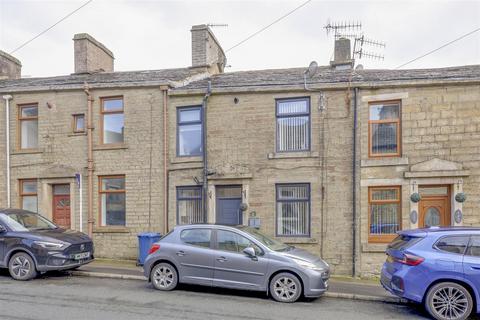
(285, 287)
(22, 267)
(449, 300)
(164, 277)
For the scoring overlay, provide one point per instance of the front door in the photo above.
(434, 206)
(61, 205)
(229, 199)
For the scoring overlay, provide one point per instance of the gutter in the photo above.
(7, 99)
(205, 160)
(354, 184)
(90, 163)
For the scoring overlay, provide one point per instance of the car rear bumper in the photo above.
(400, 283)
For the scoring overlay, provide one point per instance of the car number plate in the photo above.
(80, 256)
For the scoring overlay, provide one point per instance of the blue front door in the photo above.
(229, 199)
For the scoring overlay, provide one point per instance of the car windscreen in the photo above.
(403, 242)
(268, 242)
(26, 221)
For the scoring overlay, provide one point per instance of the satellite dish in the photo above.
(312, 69)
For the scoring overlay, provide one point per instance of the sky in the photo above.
(155, 34)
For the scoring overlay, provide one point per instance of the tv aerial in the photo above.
(353, 31)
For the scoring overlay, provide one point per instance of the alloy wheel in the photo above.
(450, 303)
(285, 288)
(164, 277)
(20, 266)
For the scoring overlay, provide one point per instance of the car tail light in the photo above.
(410, 259)
(153, 248)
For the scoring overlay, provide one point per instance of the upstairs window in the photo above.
(190, 205)
(78, 123)
(385, 213)
(112, 121)
(28, 195)
(293, 210)
(293, 124)
(384, 129)
(28, 126)
(189, 131)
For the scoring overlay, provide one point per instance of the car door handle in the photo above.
(222, 259)
(475, 267)
(180, 253)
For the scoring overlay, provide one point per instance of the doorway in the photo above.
(434, 206)
(61, 205)
(229, 199)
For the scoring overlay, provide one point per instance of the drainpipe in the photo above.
(205, 161)
(354, 184)
(165, 158)
(7, 99)
(90, 163)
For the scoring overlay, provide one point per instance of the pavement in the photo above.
(339, 287)
(60, 296)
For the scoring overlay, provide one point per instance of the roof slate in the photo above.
(325, 74)
(124, 78)
(255, 78)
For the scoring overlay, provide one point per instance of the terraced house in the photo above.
(335, 162)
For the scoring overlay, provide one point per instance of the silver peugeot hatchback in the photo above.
(235, 257)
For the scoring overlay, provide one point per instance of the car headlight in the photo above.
(308, 265)
(51, 245)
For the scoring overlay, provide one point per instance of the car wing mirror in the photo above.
(249, 251)
(2, 229)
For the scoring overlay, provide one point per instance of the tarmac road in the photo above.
(61, 296)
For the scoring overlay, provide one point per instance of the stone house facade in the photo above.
(328, 163)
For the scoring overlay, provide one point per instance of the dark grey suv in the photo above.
(235, 257)
(29, 243)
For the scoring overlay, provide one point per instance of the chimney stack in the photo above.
(91, 56)
(10, 67)
(342, 58)
(206, 50)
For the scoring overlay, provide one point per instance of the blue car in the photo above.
(439, 267)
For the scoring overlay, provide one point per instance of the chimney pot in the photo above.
(10, 67)
(91, 56)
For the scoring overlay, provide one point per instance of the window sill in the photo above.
(293, 155)
(383, 162)
(195, 159)
(299, 240)
(111, 229)
(27, 151)
(375, 247)
(110, 147)
(76, 134)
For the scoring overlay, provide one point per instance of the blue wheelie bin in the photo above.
(145, 241)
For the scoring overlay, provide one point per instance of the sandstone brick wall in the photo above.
(241, 150)
(437, 122)
(61, 154)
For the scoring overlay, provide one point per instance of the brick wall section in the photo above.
(240, 138)
(60, 152)
(437, 122)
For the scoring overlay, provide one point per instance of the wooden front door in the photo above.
(434, 207)
(61, 205)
